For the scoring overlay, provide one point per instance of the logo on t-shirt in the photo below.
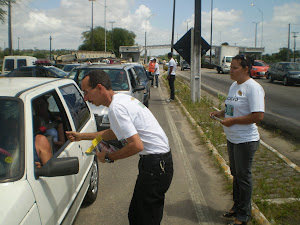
(240, 93)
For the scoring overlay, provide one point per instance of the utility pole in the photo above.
(211, 20)
(295, 43)
(9, 28)
(18, 46)
(50, 47)
(105, 25)
(289, 34)
(172, 41)
(196, 54)
(112, 28)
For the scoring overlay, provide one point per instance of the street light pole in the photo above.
(112, 28)
(173, 24)
(255, 32)
(262, 27)
(146, 60)
(187, 25)
(92, 28)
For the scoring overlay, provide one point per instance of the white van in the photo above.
(12, 62)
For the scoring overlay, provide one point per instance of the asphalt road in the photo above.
(197, 194)
(282, 102)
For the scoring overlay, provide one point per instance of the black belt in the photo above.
(154, 156)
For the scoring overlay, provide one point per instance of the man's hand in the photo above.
(101, 156)
(73, 136)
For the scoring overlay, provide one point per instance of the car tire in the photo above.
(285, 81)
(270, 78)
(92, 192)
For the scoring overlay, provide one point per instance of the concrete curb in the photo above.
(256, 214)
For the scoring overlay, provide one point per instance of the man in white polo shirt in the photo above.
(132, 123)
(171, 76)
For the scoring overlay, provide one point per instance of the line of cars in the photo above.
(287, 72)
(54, 193)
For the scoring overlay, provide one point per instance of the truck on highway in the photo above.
(223, 57)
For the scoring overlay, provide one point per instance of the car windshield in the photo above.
(118, 77)
(229, 59)
(292, 66)
(68, 68)
(258, 63)
(10, 138)
(58, 71)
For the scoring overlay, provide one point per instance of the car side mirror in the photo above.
(58, 167)
(139, 88)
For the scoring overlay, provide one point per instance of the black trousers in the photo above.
(153, 181)
(172, 88)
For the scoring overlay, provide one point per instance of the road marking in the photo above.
(196, 194)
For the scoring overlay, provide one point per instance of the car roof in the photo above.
(11, 86)
(106, 66)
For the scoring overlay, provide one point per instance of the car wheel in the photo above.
(270, 78)
(92, 192)
(285, 81)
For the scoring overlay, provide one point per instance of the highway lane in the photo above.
(282, 102)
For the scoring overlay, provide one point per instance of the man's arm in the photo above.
(106, 135)
(248, 119)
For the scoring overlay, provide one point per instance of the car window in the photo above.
(9, 64)
(11, 133)
(50, 119)
(41, 72)
(132, 78)
(141, 73)
(55, 71)
(256, 63)
(77, 106)
(21, 72)
(119, 81)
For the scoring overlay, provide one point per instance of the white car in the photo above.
(53, 193)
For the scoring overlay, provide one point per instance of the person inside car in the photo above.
(49, 124)
(122, 81)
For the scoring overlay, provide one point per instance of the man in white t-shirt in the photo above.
(133, 124)
(171, 76)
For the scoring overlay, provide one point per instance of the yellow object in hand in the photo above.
(95, 142)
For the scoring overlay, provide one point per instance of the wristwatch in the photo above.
(107, 159)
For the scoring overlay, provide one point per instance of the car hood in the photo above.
(16, 200)
(294, 72)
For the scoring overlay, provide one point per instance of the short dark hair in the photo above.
(98, 76)
(170, 54)
(245, 61)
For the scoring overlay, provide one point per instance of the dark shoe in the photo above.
(234, 223)
(229, 214)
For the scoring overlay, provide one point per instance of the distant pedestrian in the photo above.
(244, 107)
(156, 74)
(171, 76)
(134, 124)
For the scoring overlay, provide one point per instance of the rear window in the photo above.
(9, 64)
(21, 72)
(11, 141)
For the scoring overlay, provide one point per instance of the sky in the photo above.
(233, 21)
